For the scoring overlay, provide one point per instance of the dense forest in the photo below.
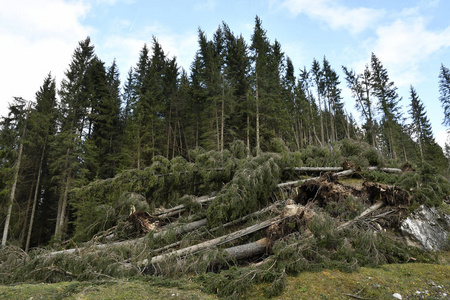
(240, 99)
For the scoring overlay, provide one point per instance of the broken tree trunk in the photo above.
(178, 231)
(289, 211)
(248, 250)
(226, 225)
(215, 242)
(368, 211)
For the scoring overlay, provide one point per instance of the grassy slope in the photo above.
(432, 280)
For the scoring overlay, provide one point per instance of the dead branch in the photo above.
(368, 211)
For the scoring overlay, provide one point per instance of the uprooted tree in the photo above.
(223, 218)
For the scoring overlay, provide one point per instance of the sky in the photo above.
(410, 37)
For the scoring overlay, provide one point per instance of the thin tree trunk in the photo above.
(322, 138)
(27, 212)
(64, 200)
(257, 118)
(12, 195)
(223, 114)
(16, 178)
(248, 135)
(174, 143)
(217, 128)
(36, 192)
(169, 127)
(139, 147)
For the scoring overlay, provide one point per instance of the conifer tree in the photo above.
(332, 94)
(19, 116)
(260, 50)
(67, 165)
(317, 77)
(386, 93)
(236, 72)
(429, 150)
(106, 125)
(361, 90)
(444, 93)
(43, 129)
(305, 92)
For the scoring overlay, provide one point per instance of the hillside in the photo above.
(231, 224)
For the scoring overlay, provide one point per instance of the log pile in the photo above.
(241, 240)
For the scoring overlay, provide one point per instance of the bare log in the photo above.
(248, 250)
(215, 242)
(245, 218)
(387, 170)
(289, 211)
(178, 231)
(298, 182)
(316, 169)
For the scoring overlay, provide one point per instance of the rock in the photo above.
(397, 296)
(427, 228)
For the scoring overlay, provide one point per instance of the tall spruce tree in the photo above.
(386, 93)
(260, 50)
(236, 71)
(15, 126)
(76, 107)
(444, 93)
(360, 87)
(42, 130)
(317, 76)
(429, 150)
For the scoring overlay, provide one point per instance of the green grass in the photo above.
(431, 280)
(100, 290)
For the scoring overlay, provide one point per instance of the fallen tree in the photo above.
(289, 211)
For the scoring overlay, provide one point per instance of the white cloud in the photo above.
(126, 49)
(336, 16)
(405, 43)
(441, 138)
(37, 37)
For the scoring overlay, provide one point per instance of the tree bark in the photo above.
(223, 115)
(36, 192)
(257, 118)
(15, 180)
(248, 250)
(217, 241)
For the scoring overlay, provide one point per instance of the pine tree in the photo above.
(386, 93)
(106, 124)
(317, 77)
(260, 50)
(236, 72)
(332, 94)
(444, 93)
(18, 111)
(76, 108)
(43, 129)
(361, 90)
(429, 150)
(304, 92)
